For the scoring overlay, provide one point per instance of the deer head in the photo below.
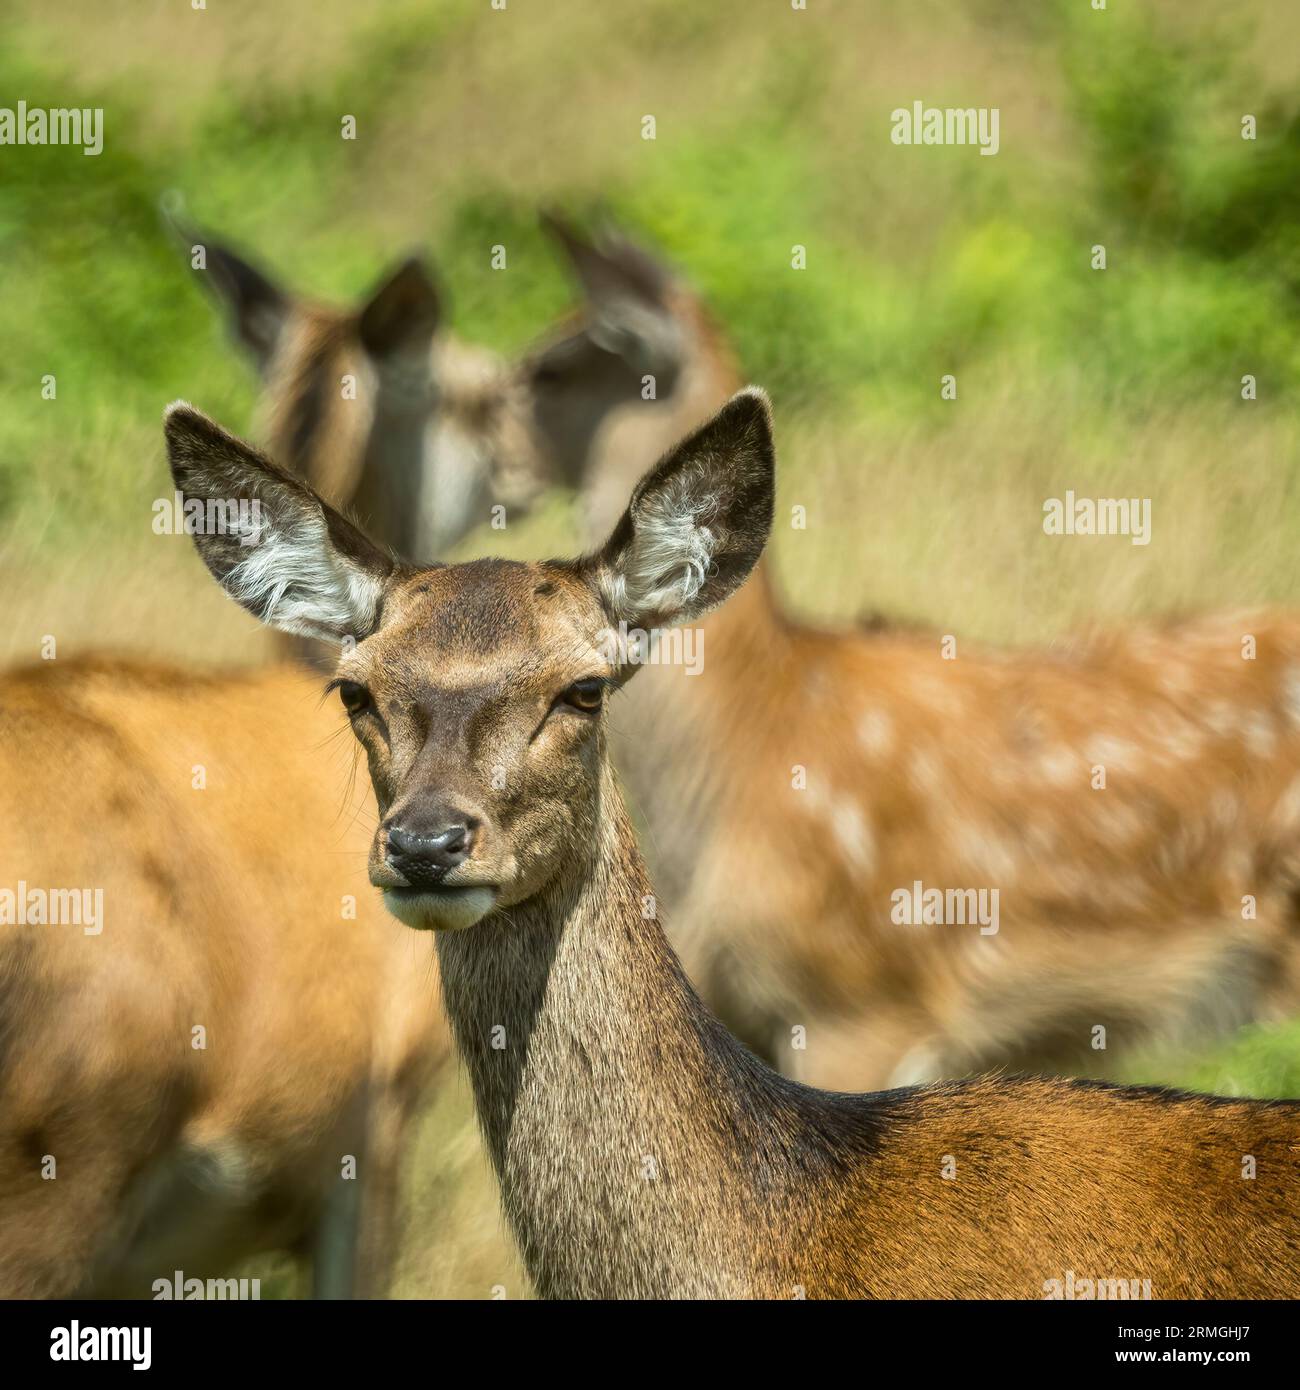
(478, 690)
(375, 406)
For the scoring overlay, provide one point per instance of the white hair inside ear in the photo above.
(665, 565)
(295, 580)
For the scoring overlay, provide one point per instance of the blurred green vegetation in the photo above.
(1120, 128)
(1199, 225)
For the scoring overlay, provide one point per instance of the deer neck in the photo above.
(615, 1108)
(669, 723)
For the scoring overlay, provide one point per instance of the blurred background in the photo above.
(1119, 127)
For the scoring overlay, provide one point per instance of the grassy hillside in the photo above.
(1120, 128)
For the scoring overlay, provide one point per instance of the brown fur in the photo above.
(223, 908)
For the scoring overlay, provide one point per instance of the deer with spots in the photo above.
(642, 1152)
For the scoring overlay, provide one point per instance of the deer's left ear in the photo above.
(697, 523)
(268, 539)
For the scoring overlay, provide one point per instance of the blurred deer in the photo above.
(641, 1151)
(226, 1062)
(809, 785)
(803, 784)
(376, 406)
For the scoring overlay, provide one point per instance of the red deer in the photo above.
(195, 1075)
(808, 777)
(641, 1151)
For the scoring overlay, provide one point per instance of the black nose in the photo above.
(423, 858)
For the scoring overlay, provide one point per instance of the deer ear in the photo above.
(611, 268)
(629, 302)
(255, 310)
(267, 538)
(403, 313)
(696, 523)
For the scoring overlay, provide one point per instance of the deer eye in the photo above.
(356, 698)
(585, 695)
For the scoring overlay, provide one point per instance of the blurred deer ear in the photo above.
(268, 539)
(255, 310)
(403, 312)
(696, 523)
(611, 268)
(630, 310)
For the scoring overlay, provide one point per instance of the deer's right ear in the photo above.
(255, 309)
(697, 523)
(269, 541)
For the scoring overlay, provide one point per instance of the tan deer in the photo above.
(221, 1057)
(1124, 914)
(642, 1152)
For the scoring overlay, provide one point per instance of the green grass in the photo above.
(1120, 128)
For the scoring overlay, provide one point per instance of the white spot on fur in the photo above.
(986, 851)
(1257, 730)
(1111, 752)
(852, 834)
(1286, 810)
(925, 772)
(1061, 766)
(876, 732)
(1291, 694)
(1221, 718)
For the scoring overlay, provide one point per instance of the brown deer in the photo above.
(195, 1071)
(377, 407)
(1126, 910)
(641, 1150)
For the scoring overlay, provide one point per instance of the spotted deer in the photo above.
(803, 785)
(225, 1059)
(641, 1150)
(1158, 910)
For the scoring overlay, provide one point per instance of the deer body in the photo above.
(1159, 907)
(641, 1150)
(643, 1153)
(199, 1069)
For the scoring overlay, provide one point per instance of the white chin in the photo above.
(440, 909)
